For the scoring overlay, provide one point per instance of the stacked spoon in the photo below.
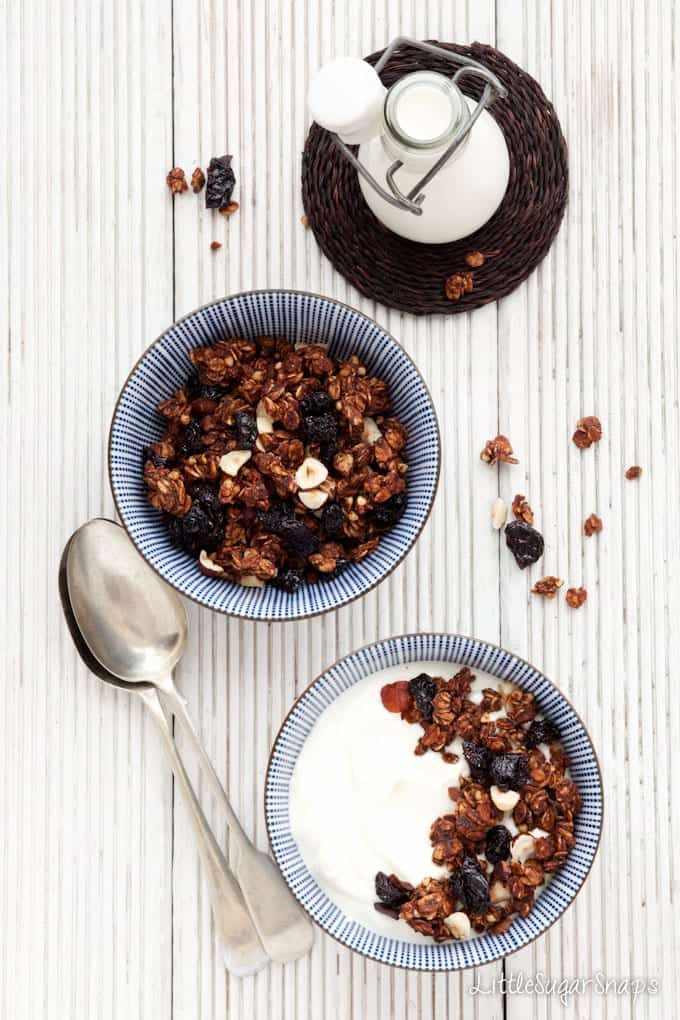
(130, 629)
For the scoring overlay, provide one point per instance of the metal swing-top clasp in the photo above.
(336, 104)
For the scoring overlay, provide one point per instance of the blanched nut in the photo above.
(371, 433)
(499, 513)
(506, 687)
(523, 847)
(499, 893)
(505, 800)
(313, 499)
(311, 473)
(208, 566)
(458, 924)
(250, 581)
(231, 463)
(265, 423)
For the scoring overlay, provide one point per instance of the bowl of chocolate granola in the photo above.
(433, 802)
(274, 455)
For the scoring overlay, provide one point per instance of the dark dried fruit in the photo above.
(246, 430)
(210, 393)
(221, 181)
(498, 841)
(320, 428)
(471, 886)
(392, 891)
(387, 514)
(510, 771)
(207, 496)
(281, 521)
(541, 731)
(332, 518)
(382, 908)
(192, 442)
(199, 529)
(316, 402)
(478, 758)
(423, 689)
(525, 543)
(156, 460)
(288, 580)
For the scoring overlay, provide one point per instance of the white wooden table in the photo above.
(102, 909)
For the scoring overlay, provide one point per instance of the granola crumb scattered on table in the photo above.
(197, 180)
(592, 525)
(176, 181)
(498, 449)
(633, 472)
(475, 259)
(229, 210)
(588, 431)
(548, 586)
(522, 510)
(458, 284)
(576, 597)
(215, 245)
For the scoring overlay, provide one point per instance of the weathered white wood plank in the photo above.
(87, 281)
(588, 335)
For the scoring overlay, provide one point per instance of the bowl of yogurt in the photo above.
(433, 801)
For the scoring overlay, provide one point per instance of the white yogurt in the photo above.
(361, 801)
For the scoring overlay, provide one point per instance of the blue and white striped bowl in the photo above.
(551, 902)
(297, 316)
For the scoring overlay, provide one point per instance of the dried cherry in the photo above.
(423, 689)
(541, 731)
(478, 758)
(246, 430)
(391, 891)
(510, 771)
(525, 543)
(221, 181)
(471, 886)
(498, 840)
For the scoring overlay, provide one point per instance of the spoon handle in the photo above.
(241, 949)
(284, 929)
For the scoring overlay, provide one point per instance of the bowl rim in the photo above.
(297, 293)
(401, 638)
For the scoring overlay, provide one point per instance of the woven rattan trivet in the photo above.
(410, 276)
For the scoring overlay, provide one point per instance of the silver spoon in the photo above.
(133, 625)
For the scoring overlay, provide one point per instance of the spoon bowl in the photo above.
(130, 629)
(133, 623)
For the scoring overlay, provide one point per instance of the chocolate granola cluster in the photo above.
(280, 464)
(494, 870)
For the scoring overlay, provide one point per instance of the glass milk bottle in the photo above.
(433, 165)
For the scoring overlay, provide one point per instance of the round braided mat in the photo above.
(410, 276)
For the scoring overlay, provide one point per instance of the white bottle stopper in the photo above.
(346, 96)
